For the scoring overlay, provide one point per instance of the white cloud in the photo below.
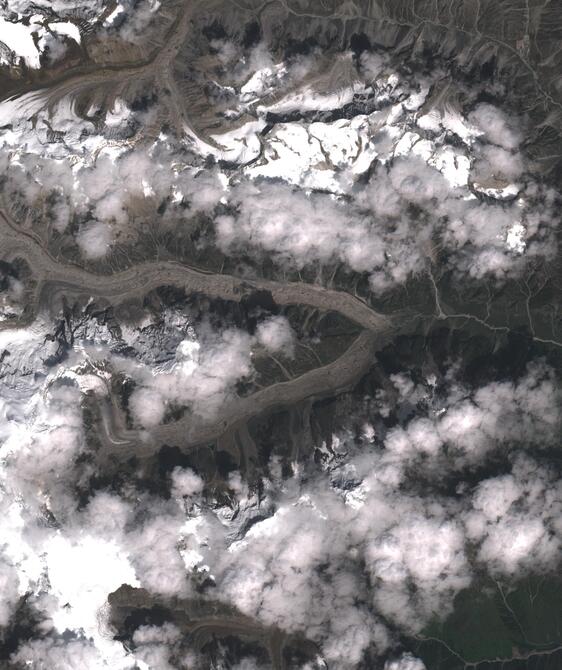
(154, 645)
(494, 161)
(493, 124)
(405, 662)
(60, 654)
(81, 573)
(331, 553)
(202, 377)
(94, 240)
(430, 554)
(186, 483)
(276, 335)
(274, 574)
(369, 227)
(46, 450)
(474, 425)
(514, 519)
(9, 597)
(147, 407)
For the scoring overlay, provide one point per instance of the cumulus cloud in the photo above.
(405, 662)
(134, 18)
(369, 225)
(475, 424)
(494, 125)
(59, 653)
(361, 535)
(365, 528)
(345, 554)
(270, 219)
(515, 519)
(147, 406)
(369, 545)
(389, 186)
(202, 377)
(497, 162)
(185, 482)
(378, 232)
(430, 554)
(82, 571)
(291, 569)
(9, 597)
(67, 560)
(274, 574)
(206, 368)
(94, 177)
(45, 451)
(271, 216)
(276, 335)
(94, 240)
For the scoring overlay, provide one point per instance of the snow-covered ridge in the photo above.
(36, 38)
(461, 168)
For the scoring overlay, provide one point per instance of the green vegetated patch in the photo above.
(496, 622)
